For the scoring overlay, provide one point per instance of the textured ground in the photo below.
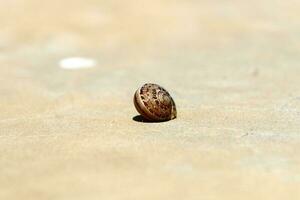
(231, 66)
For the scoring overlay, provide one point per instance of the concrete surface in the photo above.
(68, 132)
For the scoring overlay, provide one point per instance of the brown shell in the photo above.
(154, 103)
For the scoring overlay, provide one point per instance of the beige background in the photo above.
(232, 67)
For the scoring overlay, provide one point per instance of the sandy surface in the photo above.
(231, 66)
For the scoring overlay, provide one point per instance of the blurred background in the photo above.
(145, 37)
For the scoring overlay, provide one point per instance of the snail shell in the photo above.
(154, 103)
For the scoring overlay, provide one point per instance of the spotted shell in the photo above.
(154, 103)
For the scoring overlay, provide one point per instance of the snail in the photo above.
(154, 103)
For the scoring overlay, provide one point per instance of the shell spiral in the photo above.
(154, 103)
